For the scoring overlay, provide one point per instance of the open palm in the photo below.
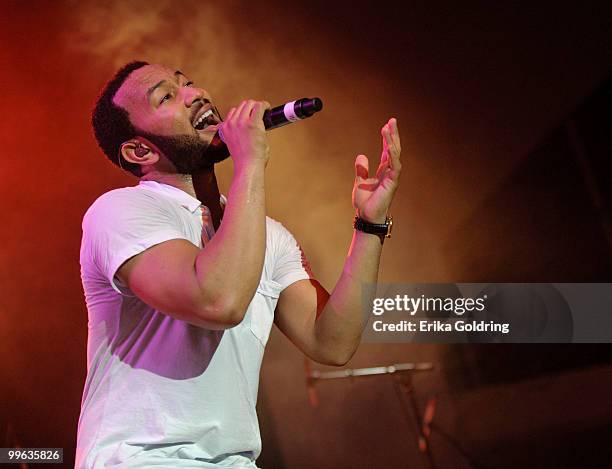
(372, 196)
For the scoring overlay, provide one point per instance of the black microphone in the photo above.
(291, 112)
(278, 116)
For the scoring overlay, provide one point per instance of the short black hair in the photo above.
(111, 123)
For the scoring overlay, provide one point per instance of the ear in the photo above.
(139, 152)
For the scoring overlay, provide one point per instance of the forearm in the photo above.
(338, 329)
(229, 269)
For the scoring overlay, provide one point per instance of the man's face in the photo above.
(175, 115)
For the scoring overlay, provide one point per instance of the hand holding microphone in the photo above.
(244, 132)
(279, 116)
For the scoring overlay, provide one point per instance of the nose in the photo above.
(193, 94)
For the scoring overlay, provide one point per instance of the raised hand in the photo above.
(372, 195)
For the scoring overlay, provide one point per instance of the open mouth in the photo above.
(204, 119)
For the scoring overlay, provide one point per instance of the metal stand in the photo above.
(402, 374)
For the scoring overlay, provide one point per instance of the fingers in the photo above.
(390, 135)
(394, 132)
(391, 144)
(391, 129)
(246, 109)
(361, 167)
(259, 109)
(230, 114)
(227, 122)
(244, 134)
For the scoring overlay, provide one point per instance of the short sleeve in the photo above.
(122, 224)
(290, 264)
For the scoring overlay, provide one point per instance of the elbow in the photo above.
(336, 359)
(341, 361)
(221, 314)
(234, 316)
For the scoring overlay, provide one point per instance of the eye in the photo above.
(166, 97)
(189, 83)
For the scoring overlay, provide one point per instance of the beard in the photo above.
(188, 153)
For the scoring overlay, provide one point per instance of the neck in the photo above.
(207, 191)
(183, 182)
(202, 185)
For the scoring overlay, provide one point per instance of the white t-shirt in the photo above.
(161, 392)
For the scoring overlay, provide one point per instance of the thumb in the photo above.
(361, 167)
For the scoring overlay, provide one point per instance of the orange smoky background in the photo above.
(476, 91)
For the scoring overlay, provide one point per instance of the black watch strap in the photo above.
(382, 230)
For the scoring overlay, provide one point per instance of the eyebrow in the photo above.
(161, 82)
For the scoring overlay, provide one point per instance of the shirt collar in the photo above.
(180, 196)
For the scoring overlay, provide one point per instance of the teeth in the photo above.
(202, 118)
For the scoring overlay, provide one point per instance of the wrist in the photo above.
(251, 167)
(380, 230)
(376, 219)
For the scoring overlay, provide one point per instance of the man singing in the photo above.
(182, 284)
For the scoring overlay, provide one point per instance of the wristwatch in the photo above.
(382, 230)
